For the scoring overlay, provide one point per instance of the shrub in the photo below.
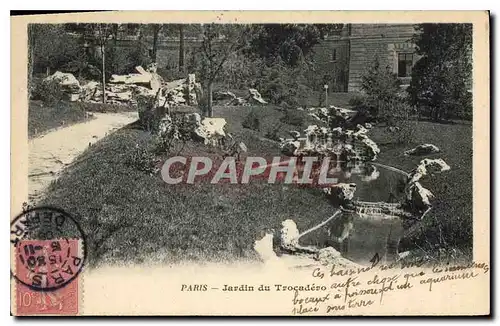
(358, 101)
(441, 79)
(273, 133)
(251, 121)
(48, 93)
(381, 87)
(142, 159)
(402, 120)
(283, 85)
(294, 118)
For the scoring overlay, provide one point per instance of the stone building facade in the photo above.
(346, 57)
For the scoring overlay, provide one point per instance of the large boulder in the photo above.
(68, 84)
(88, 91)
(328, 255)
(372, 150)
(255, 96)
(342, 193)
(371, 173)
(191, 90)
(211, 130)
(418, 198)
(223, 95)
(66, 80)
(290, 147)
(142, 78)
(289, 235)
(427, 166)
(423, 149)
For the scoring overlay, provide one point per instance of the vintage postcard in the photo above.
(250, 163)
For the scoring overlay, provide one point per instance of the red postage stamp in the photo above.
(45, 271)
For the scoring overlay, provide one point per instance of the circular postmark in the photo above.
(48, 247)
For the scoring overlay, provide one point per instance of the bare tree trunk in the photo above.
(156, 32)
(103, 53)
(181, 48)
(31, 54)
(210, 112)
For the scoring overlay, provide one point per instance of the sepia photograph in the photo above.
(340, 150)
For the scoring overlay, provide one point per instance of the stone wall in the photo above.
(332, 58)
(385, 42)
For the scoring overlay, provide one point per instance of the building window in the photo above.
(405, 62)
(334, 55)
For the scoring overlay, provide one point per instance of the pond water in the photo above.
(360, 236)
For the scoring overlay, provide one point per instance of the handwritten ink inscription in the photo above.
(339, 290)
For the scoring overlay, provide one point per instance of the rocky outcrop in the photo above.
(290, 148)
(418, 198)
(371, 174)
(292, 254)
(423, 149)
(289, 235)
(223, 96)
(341, 193)
(415, 204)
(255, 97)
(427, 166)
(338, 142)
(211, 130)
(69, 85)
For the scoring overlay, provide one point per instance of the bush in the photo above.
(385, 101)
(48, 93)
(283, 85)
(358, 101)
(382, 89)
(294, 118)
(142, 159)
(251, 121)
(402, 121)
(273, 133)
(441, 79)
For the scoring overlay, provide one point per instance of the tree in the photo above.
(290, 42)
(181, 47)
(178, 29)
(219, 42)
(102, 34)
(155, 29)
(441, 77)
(50, 46)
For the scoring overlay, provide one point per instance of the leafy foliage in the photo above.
(289, 42)
(441, 78)
(283, 85)
(381, 87)
(294, 118)
(252, 121)
(384, 100)
(48, 93)
(219, 42)
(51, 46)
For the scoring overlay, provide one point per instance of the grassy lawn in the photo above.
(43, 117)
(338, 99)
(129, 215)
(132, 216)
